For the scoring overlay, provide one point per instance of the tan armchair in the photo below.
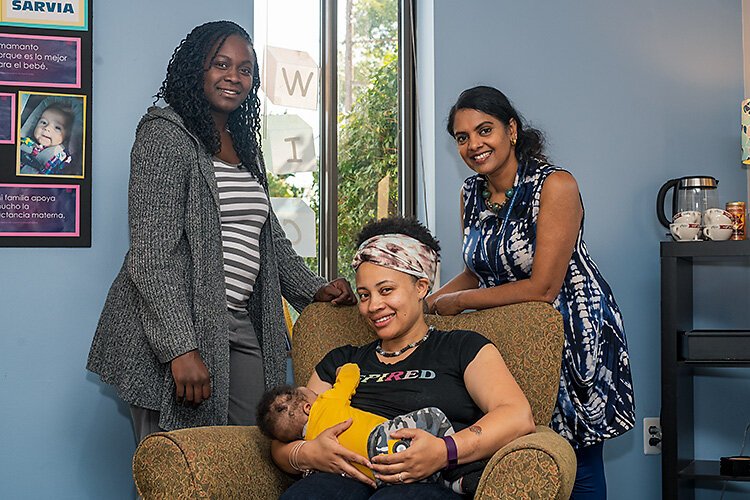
(234, 462)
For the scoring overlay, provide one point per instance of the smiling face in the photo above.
(484, 142)
(228, 77)
(391, 302)
(52, 128)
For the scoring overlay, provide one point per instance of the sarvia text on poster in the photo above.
(27, 5)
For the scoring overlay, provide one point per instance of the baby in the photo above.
(44, 153)
(289, 413)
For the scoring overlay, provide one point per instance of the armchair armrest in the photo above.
(208, 462)
(235, 462)
(538, 465)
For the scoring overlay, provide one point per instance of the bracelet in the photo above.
(294, 458)
(450, 446)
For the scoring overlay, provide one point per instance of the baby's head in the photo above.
(283, 412)
(53, 127)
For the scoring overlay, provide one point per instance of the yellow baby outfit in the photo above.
(334, 406)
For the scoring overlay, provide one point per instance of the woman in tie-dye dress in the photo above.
(523, 228)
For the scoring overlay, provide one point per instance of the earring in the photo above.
(512, 141)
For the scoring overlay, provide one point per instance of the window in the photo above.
(337, 129)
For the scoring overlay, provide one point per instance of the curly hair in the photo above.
(397, 224)
(275, 402)
(491, 101)
(182, 89)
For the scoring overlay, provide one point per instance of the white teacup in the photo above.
(687, 217)
(716, 216)
(718, 232)
(683, 231)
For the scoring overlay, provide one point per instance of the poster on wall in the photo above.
(40, 210)
(40, 61)
(60, 14)
(45, 123)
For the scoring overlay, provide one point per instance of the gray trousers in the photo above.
(246, 383)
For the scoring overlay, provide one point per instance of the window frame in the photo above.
(328, 223)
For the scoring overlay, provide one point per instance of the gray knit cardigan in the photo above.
(169, 297)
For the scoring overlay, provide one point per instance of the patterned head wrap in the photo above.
(399, 252)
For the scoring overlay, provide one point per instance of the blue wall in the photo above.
(62, 433)
(630, 94)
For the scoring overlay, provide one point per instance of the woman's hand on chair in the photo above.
(426, 455)
(325, 454)
(448, 304)
(338, 292)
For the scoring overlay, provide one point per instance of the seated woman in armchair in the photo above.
(409, 366)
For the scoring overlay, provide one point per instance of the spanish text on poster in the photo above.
(39, 210)
(60, 14)
(40, 61)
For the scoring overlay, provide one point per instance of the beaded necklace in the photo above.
(393, 354)
(486, 195)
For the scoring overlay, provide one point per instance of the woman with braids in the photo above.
(193, 330)
(523, 226)
(409, 366)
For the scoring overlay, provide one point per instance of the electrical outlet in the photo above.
(651, 436)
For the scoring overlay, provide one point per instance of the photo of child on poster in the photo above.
(51, 134)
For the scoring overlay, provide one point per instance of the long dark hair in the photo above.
(489, 100)
(182, 89)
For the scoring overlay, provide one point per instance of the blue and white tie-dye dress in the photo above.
(595, 400)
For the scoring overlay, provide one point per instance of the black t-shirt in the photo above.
(431, 376)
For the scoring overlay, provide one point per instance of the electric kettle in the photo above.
(697, 193)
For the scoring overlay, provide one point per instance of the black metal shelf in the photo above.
(708, 470)
(714, 364)
(698, 249)
(684, 350)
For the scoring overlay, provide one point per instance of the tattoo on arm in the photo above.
(476, 430)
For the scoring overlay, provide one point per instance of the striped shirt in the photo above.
(244, 210)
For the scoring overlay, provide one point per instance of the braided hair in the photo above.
(182, 89)
(491, 101)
